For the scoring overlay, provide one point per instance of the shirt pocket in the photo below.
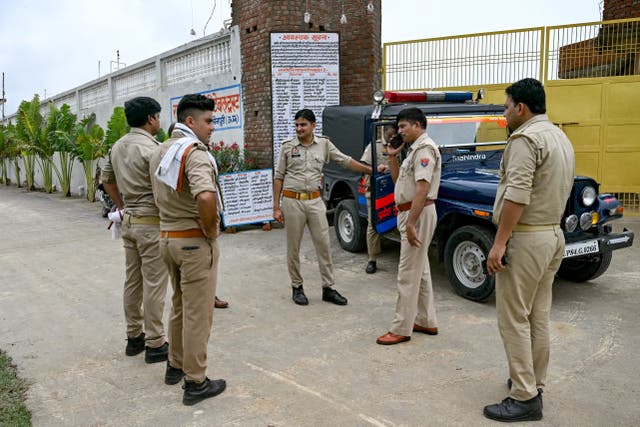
(317, 159)
(405, 167)
(295, 160)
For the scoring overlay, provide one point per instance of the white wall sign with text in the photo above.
(248, 196)
(304, 74)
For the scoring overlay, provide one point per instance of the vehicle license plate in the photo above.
(582, 248)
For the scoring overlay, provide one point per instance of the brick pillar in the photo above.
(620, 9)
(360, 55)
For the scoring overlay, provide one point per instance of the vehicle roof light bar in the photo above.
(430, 96)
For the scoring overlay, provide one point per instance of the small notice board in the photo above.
(248, 197)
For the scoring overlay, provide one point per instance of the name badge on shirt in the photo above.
(295, 152)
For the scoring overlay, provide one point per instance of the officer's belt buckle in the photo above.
(304, 196)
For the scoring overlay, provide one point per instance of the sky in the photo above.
(48, 47)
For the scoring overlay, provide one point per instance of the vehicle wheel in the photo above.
(350, 228)
(582, 269)
(464, 252)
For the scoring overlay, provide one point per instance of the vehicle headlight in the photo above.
(570, 223)
(586, 220)
(588, 195)
(378, 96)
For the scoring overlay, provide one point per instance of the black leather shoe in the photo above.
(172, 375)
(299, 297)
(331, 295)
(196, 392)
(155, 355)
(372, 267)
(510, 384)
(510, 410)
(135, 345)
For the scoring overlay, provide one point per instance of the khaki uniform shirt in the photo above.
(179, 210)
(382, 158)
(128, 166)
(423, 162)
(300, 167)
(536, 170)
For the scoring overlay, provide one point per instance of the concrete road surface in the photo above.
(61, 320)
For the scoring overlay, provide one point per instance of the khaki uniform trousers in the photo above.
(523, 305)
(373, 239)
(415, 303)
(193, 268)
(145, 286)
(313, 213)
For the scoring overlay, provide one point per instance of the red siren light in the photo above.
(430, 96)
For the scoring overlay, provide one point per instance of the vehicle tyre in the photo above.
(464, 252)
(351, 230)
(582, 269)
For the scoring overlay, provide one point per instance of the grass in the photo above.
(13, 411)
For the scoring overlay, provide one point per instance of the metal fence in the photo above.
(607, 53)
(596, 49)
(467, 60)
(591, 50)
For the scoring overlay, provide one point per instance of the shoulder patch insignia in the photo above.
(424, 162)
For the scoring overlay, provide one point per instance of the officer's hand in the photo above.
(412, 236)
(277, 215)
(394, 151)
(204, 229)
(494, 261)
(382, 168)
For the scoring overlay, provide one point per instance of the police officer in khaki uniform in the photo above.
(416, 188)
(218, 303)
(127, 171)
(382, 158)
(297, 179)
(189, 223)
(536, 175)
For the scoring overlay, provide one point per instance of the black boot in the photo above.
(510, 384)
(372, 267)
(510, 410)
(172, 375)
(196, 392)
(299, 297)
(135, 345)
(331, 295)
(155, 355)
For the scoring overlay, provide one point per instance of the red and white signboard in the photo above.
(227, 117)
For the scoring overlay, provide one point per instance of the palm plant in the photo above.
(89, 148)
(117, 127)
(61, 132)
(13, 151)
(29, 132)
(45, 149)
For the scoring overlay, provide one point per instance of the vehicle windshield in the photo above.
(465, 130)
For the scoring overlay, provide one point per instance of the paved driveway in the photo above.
(61, 320)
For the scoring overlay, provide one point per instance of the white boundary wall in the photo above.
(209, 63)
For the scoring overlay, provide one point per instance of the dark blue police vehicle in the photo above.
(471, 137)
